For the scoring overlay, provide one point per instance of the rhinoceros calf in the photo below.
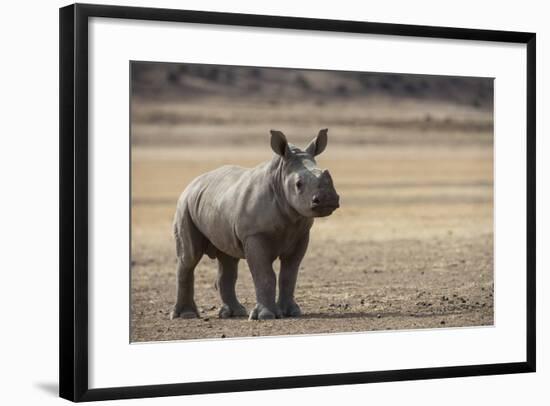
(259, 214)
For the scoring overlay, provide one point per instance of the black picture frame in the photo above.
(73, 254)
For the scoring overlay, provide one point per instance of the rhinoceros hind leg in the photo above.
(227, 279)
(190, 246)
(184, 312)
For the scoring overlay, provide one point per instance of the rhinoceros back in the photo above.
(212, 200)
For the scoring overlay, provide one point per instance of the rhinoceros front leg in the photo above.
(290, 264)
(227, 279)
(260, 261)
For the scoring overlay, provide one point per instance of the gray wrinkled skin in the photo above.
(257, 214)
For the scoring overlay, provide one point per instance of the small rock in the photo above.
(362, 301)
(206, 319)
(442, 322)
(223, 335)
(378, 316)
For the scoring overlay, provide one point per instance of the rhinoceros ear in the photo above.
(318, 144)
(279, 144)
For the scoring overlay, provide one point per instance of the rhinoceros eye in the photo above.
(299, 184)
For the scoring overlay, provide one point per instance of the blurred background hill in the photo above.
(169, 81)
(193, 104)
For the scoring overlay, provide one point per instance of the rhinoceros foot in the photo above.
(184, 313)
(237, 310)
(261, 312)
(290, 309)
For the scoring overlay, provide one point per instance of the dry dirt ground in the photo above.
(411, 246)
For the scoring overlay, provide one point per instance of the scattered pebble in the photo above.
(442, 322)
(223, 335)
(378, 316)
(362, 301)
(206, 319)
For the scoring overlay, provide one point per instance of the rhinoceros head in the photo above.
(307, 188)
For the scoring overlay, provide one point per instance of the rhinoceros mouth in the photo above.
(325, 210)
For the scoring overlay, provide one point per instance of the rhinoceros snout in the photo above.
(324, 204)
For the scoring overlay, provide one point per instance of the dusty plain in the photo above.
(411, 246)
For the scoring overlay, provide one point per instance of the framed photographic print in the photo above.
(256, 202)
